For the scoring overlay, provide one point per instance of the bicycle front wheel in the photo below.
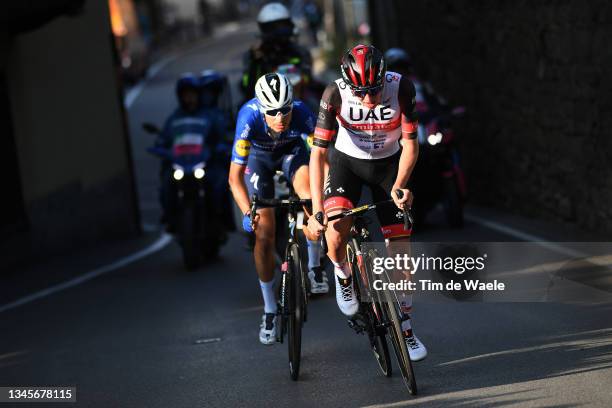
(295, 318)
(371, 309)
(393, 315)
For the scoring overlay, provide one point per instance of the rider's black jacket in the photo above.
(266, 57)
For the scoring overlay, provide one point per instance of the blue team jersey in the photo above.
(252, 131)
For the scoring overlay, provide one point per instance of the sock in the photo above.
(406, 306)
(314, 254)
(341, 269)
(267, 290)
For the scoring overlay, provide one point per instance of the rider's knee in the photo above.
(335, 238)
(264, 236)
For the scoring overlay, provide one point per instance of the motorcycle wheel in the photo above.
(214, 233)
(189, 238)
(453, 204)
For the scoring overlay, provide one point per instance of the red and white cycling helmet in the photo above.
(363, 69)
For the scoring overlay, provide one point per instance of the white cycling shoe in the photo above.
(318, 286)
(416, 348)
(267, 329)
(345, 296)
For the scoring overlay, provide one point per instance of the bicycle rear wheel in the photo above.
(296, 305)
(392, 314)
(371, 311)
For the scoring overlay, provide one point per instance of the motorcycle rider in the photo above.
(191, 119)
(276, 47)
(373, 110)
(216, 93)
(428, 104)
(213, 87)
(434, 114)
(269, 133)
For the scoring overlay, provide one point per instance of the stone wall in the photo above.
(536, 77)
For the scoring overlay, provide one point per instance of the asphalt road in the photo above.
(150, 334)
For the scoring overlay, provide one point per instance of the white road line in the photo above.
(156, 246)
(134, 93)
(504, 229)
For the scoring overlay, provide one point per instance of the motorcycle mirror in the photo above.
(151, 128)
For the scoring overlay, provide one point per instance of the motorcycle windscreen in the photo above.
(188, 149)
(188, 144)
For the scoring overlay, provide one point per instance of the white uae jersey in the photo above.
(370, 133)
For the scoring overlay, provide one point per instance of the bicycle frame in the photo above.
(292, 226)
(293, 205)
(293, 310)
(388, 317)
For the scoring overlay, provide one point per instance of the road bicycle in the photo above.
(380, 315)
(293, 299)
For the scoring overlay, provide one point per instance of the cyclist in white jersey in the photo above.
(375, 146)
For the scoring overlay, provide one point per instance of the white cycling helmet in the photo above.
(274, 91)
(275, 22)
(273, 12)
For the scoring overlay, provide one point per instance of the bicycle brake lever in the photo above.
(253, 208)
(410, 218)
(407, 216)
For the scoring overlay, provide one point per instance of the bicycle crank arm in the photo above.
(357, 324)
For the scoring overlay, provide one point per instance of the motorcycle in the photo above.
(199, 232)
(438, 175)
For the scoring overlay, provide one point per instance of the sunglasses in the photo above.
(283, 111)
(361, 93)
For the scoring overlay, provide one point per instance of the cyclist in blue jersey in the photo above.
(269, 136)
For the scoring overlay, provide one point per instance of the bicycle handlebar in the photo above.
(257, 202)
(408, 220)
(278, 203)
(319, 217)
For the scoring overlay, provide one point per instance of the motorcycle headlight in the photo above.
(198, 170)
(434, 139)
(199, 173)
(178, 174)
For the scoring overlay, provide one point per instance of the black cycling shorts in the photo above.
(262, 165)
(346, 178)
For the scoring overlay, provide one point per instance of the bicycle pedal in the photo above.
(357, 324)
(381, 329)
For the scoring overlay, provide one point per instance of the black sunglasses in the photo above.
(283, 111)
(361, 93)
